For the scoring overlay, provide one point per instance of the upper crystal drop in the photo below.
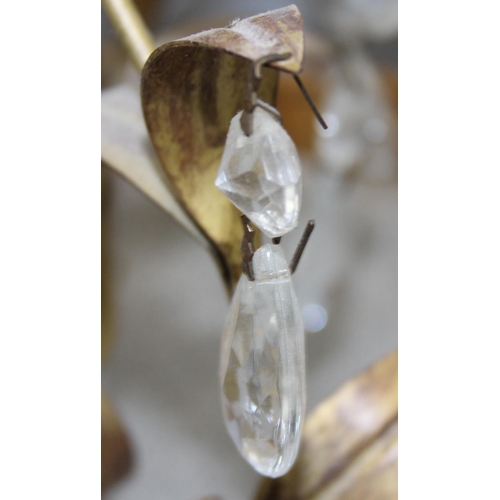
(262, 366)
(261, 174)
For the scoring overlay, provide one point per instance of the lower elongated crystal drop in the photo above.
(261, 174)
(262, 366)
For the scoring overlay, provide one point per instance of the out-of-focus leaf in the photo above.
(349, 445)
(126, 149)
(116, 453)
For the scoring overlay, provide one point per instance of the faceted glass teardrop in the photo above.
(261, 174)
(262, 369)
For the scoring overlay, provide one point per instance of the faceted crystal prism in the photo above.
(261, 174)
(262, 366)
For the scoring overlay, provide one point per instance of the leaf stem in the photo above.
(132, 30)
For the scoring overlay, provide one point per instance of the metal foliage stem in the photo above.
(132, 30)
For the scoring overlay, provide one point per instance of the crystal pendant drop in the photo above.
(261, 174)
(262, 369)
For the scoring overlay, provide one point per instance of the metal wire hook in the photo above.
(247, 249)
(252, 101)
(301, 246)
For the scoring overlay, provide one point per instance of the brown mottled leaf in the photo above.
(191, 89)
(349, 445)
(126, 149)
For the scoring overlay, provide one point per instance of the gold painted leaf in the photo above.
(126, 149)
(191, 89)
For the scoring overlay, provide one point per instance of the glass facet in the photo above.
(262, 368)
(261, 174)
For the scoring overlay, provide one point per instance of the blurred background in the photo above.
(164, 305)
